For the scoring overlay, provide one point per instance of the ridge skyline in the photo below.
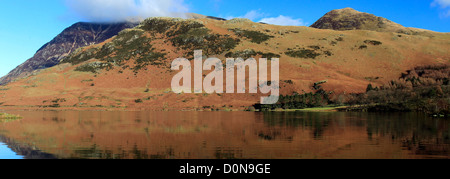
(19, 43)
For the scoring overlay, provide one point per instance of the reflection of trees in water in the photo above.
(27, 151)
(94, 152)
(416, 132)
(229, 153)
(316, 122)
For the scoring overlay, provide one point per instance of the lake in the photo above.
(7, 153)
(223, 135)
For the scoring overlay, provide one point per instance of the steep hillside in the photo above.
(76, 36)
(131, 70)
(350, 19)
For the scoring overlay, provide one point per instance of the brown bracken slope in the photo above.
(131, 70)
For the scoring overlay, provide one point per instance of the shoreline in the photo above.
(316, 109)
(38, 108)
(357, 108)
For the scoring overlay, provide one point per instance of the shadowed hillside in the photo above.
(78, 35)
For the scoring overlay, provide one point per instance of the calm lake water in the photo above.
(7, 153)
(223, 135)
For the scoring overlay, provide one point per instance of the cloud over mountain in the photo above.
(444, 5)
(120, 10)
(257, 16)
(283, 20)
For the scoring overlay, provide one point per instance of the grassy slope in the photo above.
(348, 69)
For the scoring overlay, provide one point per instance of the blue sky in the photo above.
(26, 25)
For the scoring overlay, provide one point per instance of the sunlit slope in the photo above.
(132, 69)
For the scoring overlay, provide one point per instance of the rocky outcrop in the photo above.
(350, 19)
(78, 35)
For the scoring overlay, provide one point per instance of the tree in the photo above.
(369, 88)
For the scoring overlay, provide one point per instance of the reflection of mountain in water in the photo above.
(417, 133)
(420, 134)
(316, 122)
(28, 152)
(227, 135)
(95, 152)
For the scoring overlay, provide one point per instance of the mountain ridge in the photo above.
(351, 19)
(44, 58)
(131, 71)
(77, 35)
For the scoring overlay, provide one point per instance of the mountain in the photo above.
(350, 19)
(131, 71)
(78, 35)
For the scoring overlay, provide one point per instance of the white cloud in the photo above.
(258, 16)
(252, 15)
(444, 5)
(284, 21)
(119, 10)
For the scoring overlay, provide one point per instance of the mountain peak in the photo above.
(131, 69)
(351, 19)
(348, 9)
(78, 35)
